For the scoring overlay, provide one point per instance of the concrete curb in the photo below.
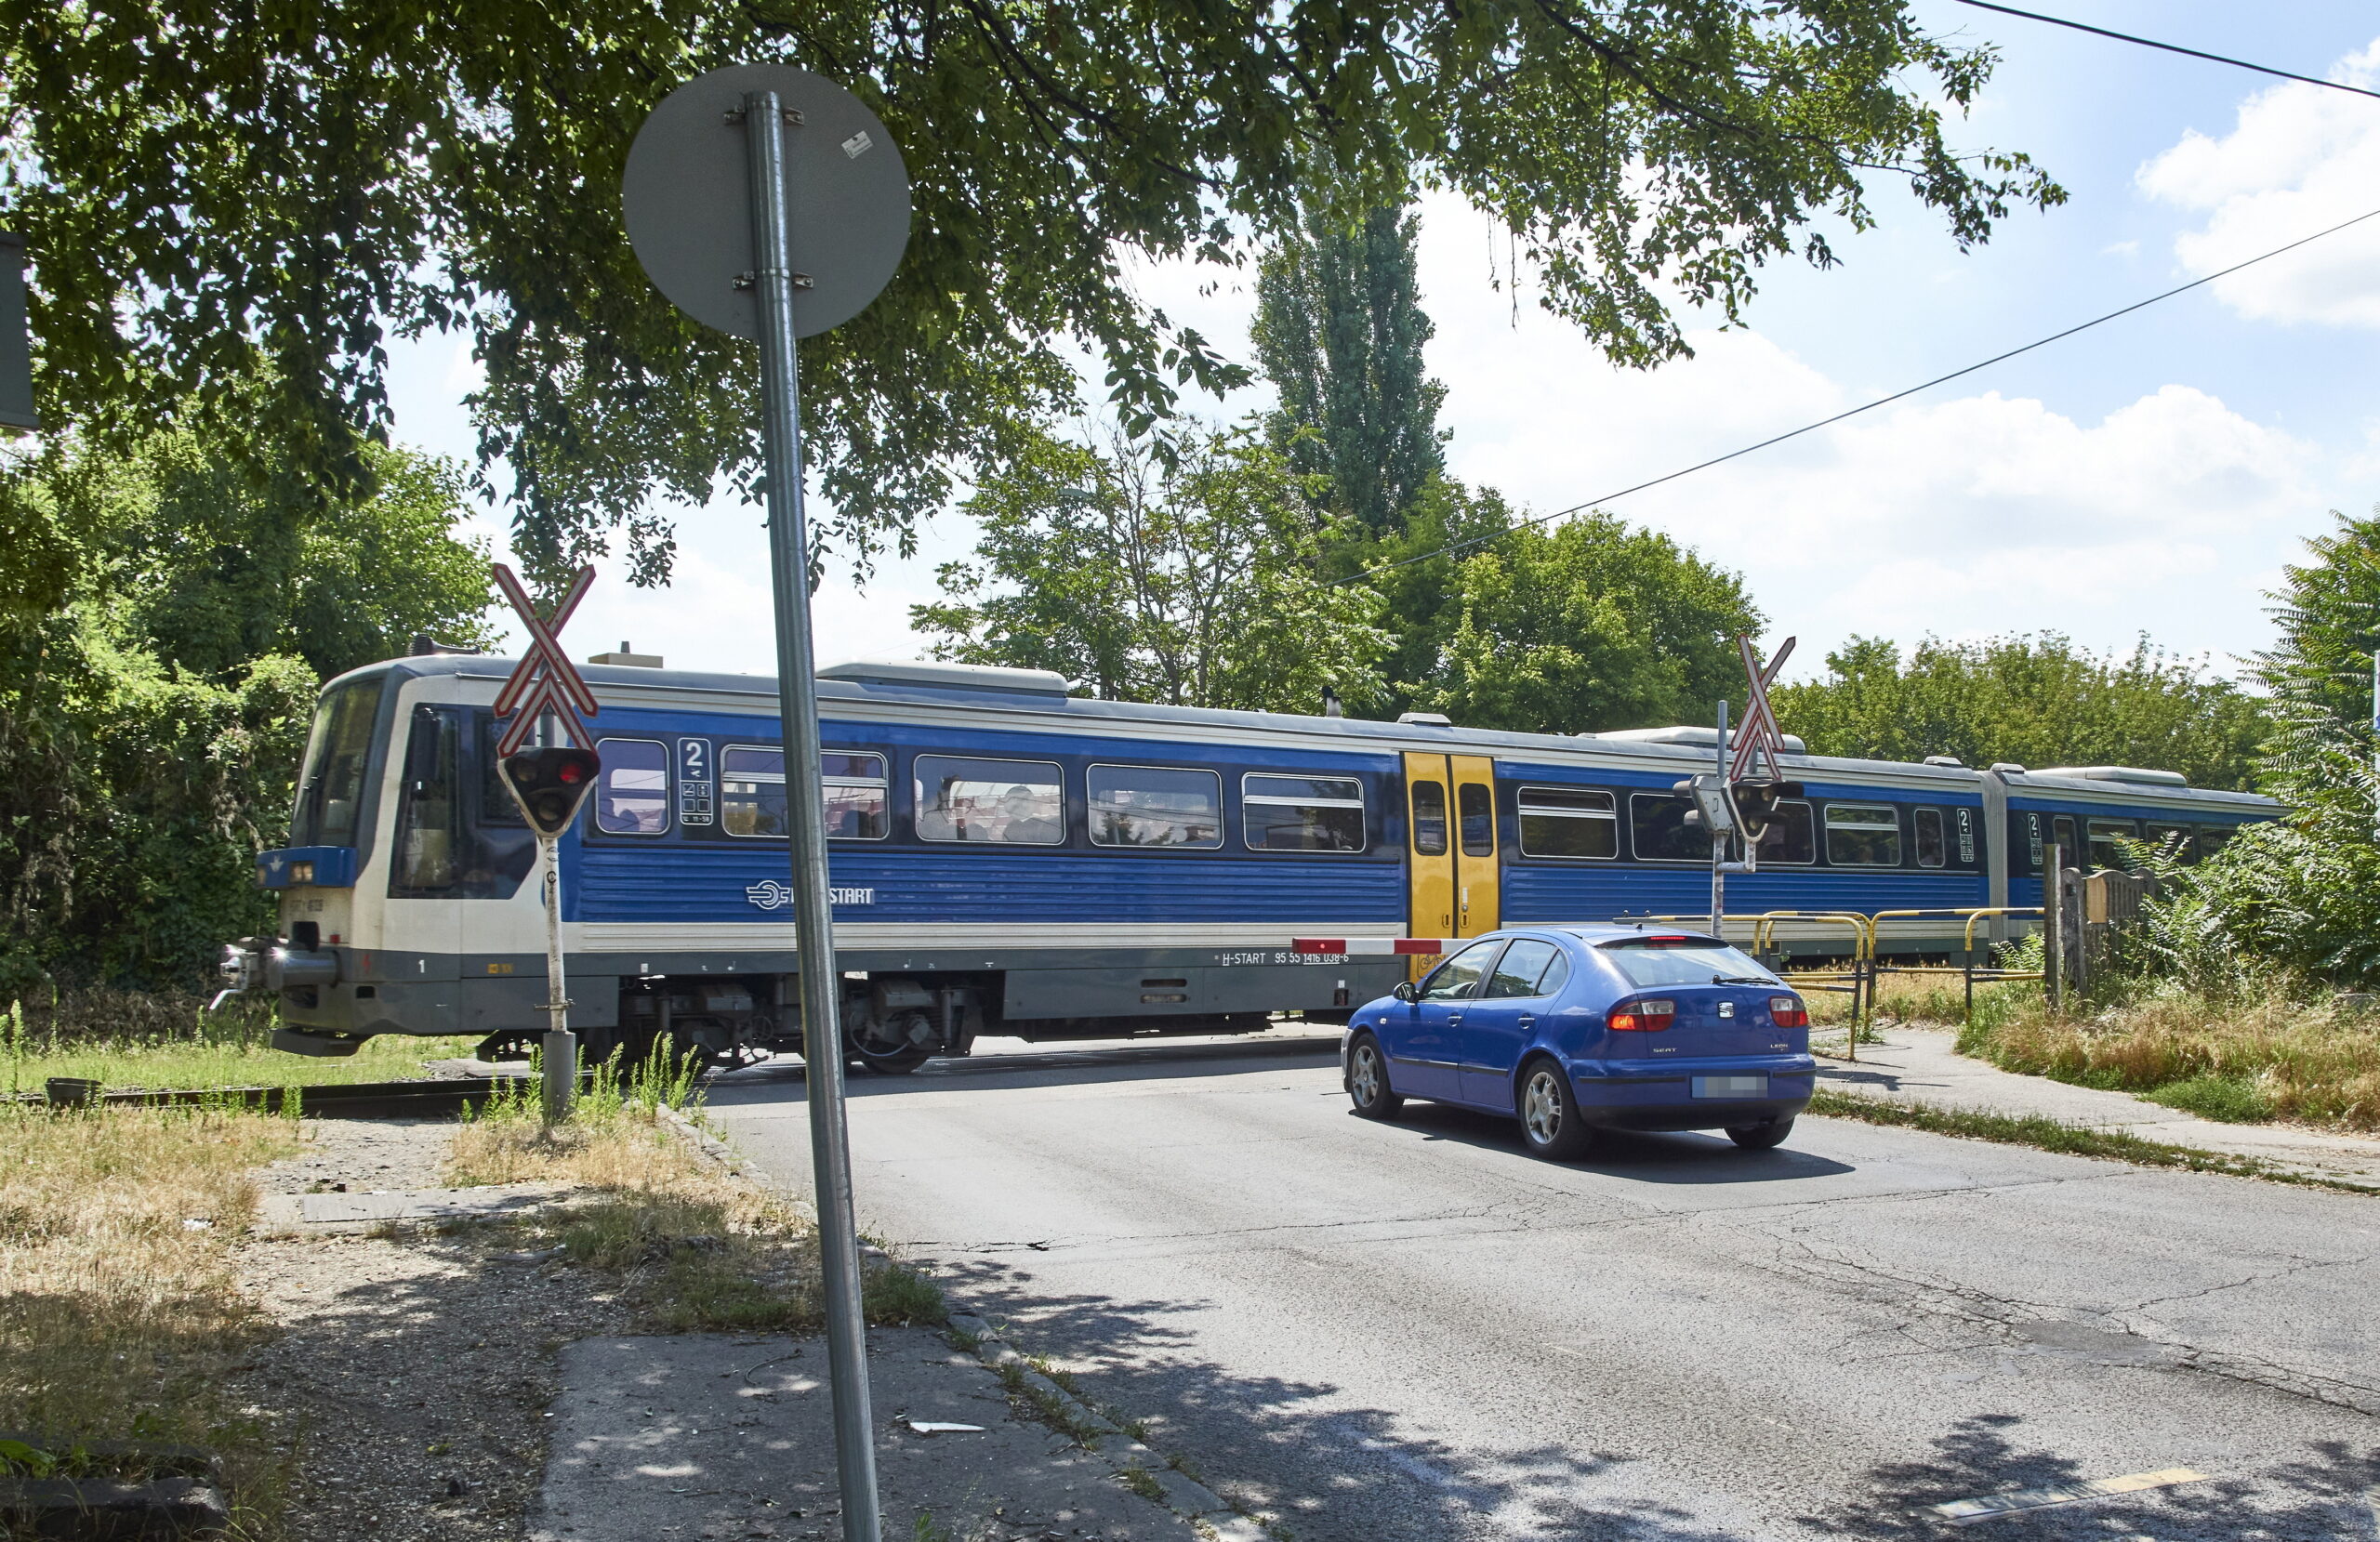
(1194, 1501)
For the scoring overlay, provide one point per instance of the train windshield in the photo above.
(339, 758)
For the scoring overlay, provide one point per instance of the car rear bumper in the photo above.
(1613, 1097)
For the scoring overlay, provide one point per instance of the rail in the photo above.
(1857, 982)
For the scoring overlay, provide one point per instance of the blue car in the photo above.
(1580, 1028)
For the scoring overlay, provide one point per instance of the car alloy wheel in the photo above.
(1549, 1116)
(1368, 1085)
(1541, 1108)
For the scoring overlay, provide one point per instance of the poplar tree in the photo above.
(1339, 331)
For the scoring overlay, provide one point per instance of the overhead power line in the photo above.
(1459, 547)
(2168, 48)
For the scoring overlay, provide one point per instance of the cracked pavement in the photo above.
(1415, 1331)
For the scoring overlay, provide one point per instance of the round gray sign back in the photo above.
(688, 199)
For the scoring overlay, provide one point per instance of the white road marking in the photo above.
(1965, 1512)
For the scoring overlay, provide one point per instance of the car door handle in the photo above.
(1454, 1020)
(1529, 1019)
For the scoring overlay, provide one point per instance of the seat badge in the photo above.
(1727, 1008)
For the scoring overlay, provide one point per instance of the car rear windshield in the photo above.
(1681, 961)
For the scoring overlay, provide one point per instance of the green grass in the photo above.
(2231, 1100)
(199, 1063)
(2044, 1133)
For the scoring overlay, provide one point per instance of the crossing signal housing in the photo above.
(551, 784)
(1756, 804)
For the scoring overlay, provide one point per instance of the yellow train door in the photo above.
(1450, 831)
(1430, 847)
(1478, 901)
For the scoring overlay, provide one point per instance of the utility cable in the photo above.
(1851, 412)
(2169, 48)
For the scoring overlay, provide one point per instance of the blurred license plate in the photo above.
(1731, 1087)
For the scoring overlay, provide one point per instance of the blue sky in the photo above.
(2148, 477)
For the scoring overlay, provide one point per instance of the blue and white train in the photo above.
(1007, 857)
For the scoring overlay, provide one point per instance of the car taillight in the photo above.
(1642, 1017)
(1788, 1011)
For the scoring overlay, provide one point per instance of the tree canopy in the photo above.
(2037, 701)
(209, 197)
(158, 667)
(1178, 572)
(1587, 625)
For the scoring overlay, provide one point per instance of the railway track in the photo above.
(334, 1100)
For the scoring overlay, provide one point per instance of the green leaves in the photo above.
(2037, 701)
(210, 196)
(1185, 578)
(1584, 627)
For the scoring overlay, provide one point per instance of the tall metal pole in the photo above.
(822, 1036)
(1719, 842)
(559, 1050)
(561, 1045)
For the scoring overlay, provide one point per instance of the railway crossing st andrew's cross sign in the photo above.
(545, 681)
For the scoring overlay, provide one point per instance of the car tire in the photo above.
(1762, 1137)
(1550, 1125)
(1368, 1085)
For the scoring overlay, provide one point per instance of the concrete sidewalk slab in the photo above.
(1923, 1065)
(710, 1436)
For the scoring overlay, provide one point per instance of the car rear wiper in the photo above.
(1744, 979)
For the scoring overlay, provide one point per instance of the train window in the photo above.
(1010, 802)
(2104, 835)
(338, 752)
(751, 791)
(1569, 822)
(2172, 839)
(1862, 835)
(1932, 849)
(1789, 840)
(450, 842)
(632, 791)
(1477, 805)
(2212, 838)
(858, 794)
(430, 814)
(2062, 833)
(1658, 830)
(496, 803)
(1155, 806)
(1429, 818)
(1301, 813)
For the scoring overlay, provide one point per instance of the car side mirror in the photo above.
(1405, 991)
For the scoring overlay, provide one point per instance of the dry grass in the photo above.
(698, 1246)
(2261, 1057)
(118, 1316)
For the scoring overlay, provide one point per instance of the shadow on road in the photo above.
(1156, 1059)
(2323, 1496)
(1688, 1157)
(1286, 1450)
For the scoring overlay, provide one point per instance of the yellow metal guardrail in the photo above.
(1860, 978)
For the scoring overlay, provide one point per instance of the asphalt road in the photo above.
(1416, 1331)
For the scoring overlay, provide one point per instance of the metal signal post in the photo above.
(548, 783)
(711, 194)
(821, 1035)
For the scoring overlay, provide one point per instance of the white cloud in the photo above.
(2300, 159)
(1957, 514)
